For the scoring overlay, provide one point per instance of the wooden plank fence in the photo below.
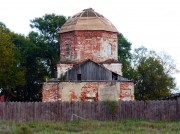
(68, 111)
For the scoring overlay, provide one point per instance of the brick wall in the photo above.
(88, 91)
(50, 92)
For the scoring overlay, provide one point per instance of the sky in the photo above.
(154, 24)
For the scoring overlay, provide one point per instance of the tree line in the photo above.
(27, 61)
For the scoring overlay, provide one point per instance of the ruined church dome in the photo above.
(88, 19)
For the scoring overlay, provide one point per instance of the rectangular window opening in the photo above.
(114, 76)
(78, 76)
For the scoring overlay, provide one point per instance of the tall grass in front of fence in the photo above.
(91, 126)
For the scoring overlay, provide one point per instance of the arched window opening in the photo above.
(67, 49)
(109, 49)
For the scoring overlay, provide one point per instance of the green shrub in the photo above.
(112, 106)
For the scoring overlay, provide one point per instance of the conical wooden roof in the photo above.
(88, 19)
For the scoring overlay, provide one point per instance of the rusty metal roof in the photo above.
(88, 19)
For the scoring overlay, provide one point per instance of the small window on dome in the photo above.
(67, 49)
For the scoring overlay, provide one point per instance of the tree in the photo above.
(124, 55)
(40, 53)
(31, 58)
(168, 63)
(37, 54)
(47, 28)
(124, 48)
(3, 26)
(151, 79)
(11, 73)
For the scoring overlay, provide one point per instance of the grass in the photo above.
(91, 127)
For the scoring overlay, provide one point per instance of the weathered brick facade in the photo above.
(98, 46)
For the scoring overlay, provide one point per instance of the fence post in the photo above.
(178, 108)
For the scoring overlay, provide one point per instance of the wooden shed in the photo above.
(92, 71)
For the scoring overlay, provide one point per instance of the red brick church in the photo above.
(89, 69)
